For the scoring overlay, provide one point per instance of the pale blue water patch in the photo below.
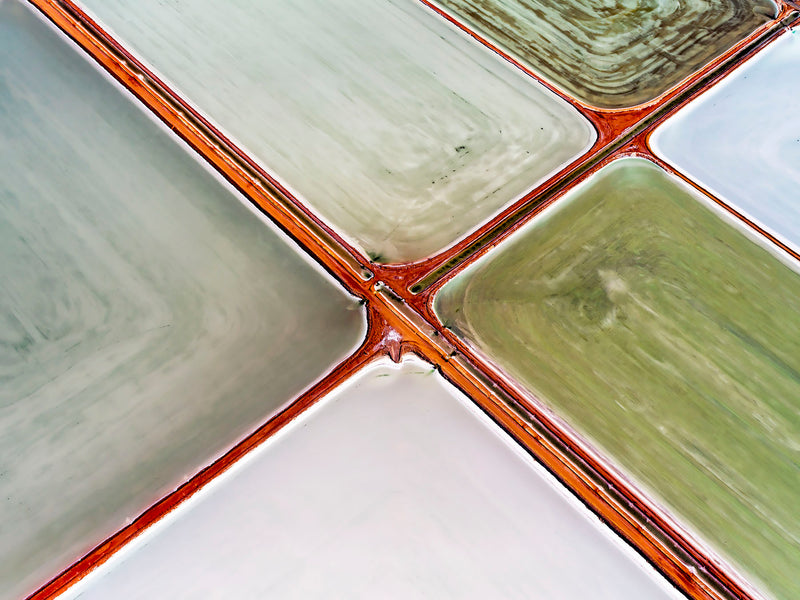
(148, 317)
(741, 140)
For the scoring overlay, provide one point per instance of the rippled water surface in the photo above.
(614, 53)
(148, 318)
(402, 132)
(669, 338)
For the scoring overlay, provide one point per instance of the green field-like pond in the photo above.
(671, 340)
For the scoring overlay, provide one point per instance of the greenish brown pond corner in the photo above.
(614, 54)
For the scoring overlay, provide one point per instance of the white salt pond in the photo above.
(393, 486)
(148, 318)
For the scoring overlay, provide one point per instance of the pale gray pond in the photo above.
(148, 318)
(401, 131)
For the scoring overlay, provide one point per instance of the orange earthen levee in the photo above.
(403, 321)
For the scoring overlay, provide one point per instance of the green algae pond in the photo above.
(614, 54)
(667, 337)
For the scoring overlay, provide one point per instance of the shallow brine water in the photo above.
(401, 131)
(742, 139)
(610, 53)
(148, 318)
(394, 486)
